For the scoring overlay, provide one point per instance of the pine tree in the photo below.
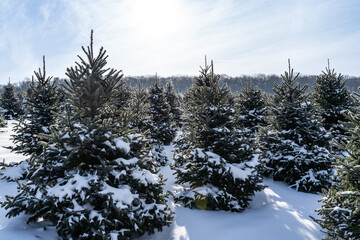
(251, 109)
(173, 101)
(41, 100)
(9, 102)
(340, 210)
(294, 146)
(160, 125)
(332, 99)
(214, 159)
(93, 181)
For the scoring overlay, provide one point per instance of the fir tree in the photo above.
(41, 103)
(340, 210)
(160, 125)
(332, 99)
(9, 102)
(294, 146)
(214, 159)
(93, 182)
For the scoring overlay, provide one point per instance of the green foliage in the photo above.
(94, 180)
(2, 121)
(340, 210)
(9, 102)
(332, 98)
(42, 100)
(251, 110)
(160, 126)
(138, 109)
(174, 103)
(213, 159)
(293, 147)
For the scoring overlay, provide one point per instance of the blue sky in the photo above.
(171, 37)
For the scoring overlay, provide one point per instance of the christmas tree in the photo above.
(332, 99)
(160, 126)
(340, 210)
(294, 147)
(93, 181)
(2, 121)
(251, 110)
(41, 103)
(174, 103)
(9, 102)
(213, 159)
(139, 108)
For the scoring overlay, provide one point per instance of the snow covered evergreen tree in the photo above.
(93, 182)
(173, 101)
(9, 102)
(213, 159)
(2, 120)
(332, 99)
(139, 108)
(41, 102)
(22, 102)
(251, 109)
(160, 126)
(340, 210)
(293, 147)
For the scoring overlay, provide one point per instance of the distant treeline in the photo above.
(182, 83)
(264, 82)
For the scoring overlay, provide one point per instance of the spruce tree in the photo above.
(213, 159)
(9, 102)
(332, 99)
(41, 100)
(22, 102)
(139, 108)
(293, 147)
(173, 101)
(160, 126)
(93, 181)
(251, 109)
(340, 210)
(2, 120)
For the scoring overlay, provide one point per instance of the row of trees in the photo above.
(95, 147)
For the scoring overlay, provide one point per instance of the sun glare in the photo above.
(156, 19)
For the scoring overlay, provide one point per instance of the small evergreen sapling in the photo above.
(332, 100)
(93, 181)
(9, 102)
(294, 147)
(139, 108)
(2, 120)
(160, 125)
(251, 110)
(174, 103)
(213, 159)
(42, 100)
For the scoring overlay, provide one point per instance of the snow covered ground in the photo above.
(276, 213)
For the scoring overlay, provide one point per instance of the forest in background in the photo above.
(236, 84)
